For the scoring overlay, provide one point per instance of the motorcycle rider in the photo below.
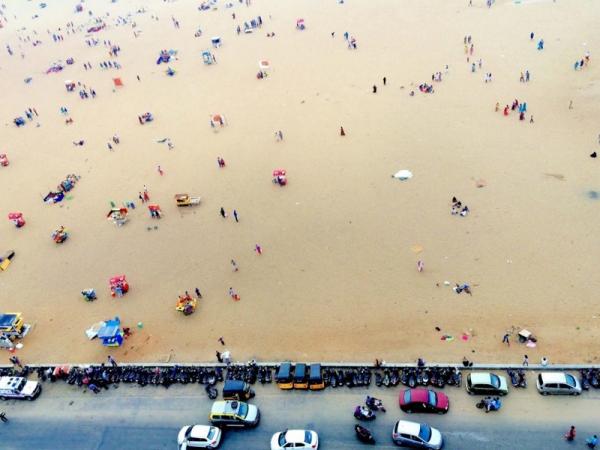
(592, 442)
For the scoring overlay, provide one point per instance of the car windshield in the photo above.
(407, 396)
(307, 437)
(282, 440)
(570, 380)
(432, 398)
(495, 380)
(425, 432)
(243, 410)
(211, 433)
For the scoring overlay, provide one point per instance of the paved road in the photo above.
(149, 418)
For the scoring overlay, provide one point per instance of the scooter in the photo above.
(364, 413)
(374, 404)
(489, 404)
(364, 435)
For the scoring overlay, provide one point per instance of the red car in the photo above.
(424, 401)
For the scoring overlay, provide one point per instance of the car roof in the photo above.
(480, 378)
(295, 435)
(553, 377)
(407, 427)
(225, 407)
(419, 395)
(10, 382)
(200, 431)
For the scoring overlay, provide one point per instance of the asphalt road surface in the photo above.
(65, 417)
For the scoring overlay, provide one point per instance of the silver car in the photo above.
(558, 383)
(416, 435)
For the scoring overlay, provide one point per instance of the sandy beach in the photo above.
(337, 278)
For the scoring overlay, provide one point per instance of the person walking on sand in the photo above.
(374, 89)
(223, 213)
(111, 361)
(531, 119)
(198, 293)
(219, 357)
(505, 339)
(420, 266)
(343, 133)
(16, 361)
(160, 171)
(258, 249)
(234, 265)
(140, 197)
(384, 81)
(221, 340)
(526, 361)
(235, 215)
(497, 106)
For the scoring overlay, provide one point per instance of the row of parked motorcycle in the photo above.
(252, 373)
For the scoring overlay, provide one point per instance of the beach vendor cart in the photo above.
(3, 160)
(186, 200)
(60, 235)
(155, 211)
(300, 24)
(118, 216)
(186, 304)
(146, 117)
(284, 377)
(280, 177)
(217, 119)
(264, 65)
(17, 219)
(208, 57)
(118, 286)
(111, 333)
(13, 326)
(89, 294)
(6, 259)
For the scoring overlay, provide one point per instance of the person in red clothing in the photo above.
(570, 435)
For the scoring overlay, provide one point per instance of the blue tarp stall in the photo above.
(111, 334)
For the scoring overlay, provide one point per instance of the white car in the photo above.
(417, 435)
(294, 439)
(198, 436)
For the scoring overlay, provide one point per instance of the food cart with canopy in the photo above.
(111, 333)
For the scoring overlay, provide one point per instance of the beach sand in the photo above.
(337, 279)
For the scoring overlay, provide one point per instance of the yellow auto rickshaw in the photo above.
(300, 376)
(315, 378)
(284, 376)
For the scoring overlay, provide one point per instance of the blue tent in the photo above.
(111, 333)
